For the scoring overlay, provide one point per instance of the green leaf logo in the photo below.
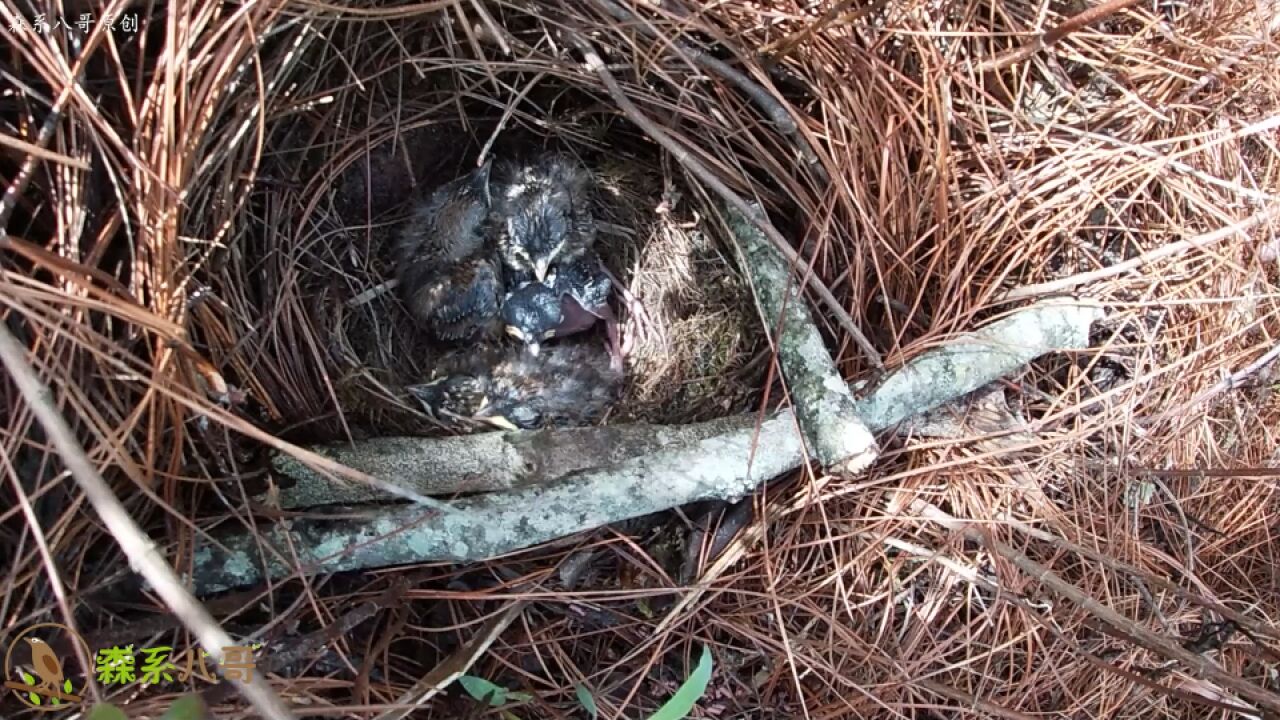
(30, 679)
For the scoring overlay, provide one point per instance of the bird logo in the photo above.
(46, 664)
(42, 684)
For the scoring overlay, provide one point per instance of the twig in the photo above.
(140, 550)
(834, 14)
(1257, 628)
(699, 170)
(1199, 665)
(1228, 383)
(9, 200)
(824, 405)
(373, 293)
(456, 665)
(1237, 377)
(968, 362)
(1049, 37)
(1201, 242)
(35, 151)
(768, 104)
(724, 466)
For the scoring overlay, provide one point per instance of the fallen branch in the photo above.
(690, 466)
(485, 462)
(823, 403)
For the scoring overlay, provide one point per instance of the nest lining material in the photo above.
(686, 321)
(311, 330)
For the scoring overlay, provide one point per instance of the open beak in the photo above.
(499, 422)
(540, 269)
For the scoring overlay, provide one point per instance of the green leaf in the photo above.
(105, 711)
(588, 702)
(687, 696)
(496, 695)
(187, 707)
(27, 678)
(67, 687)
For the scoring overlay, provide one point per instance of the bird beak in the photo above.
(534, 348)
(515, 332)
(499, 422)
(540, 270)
(480, 180)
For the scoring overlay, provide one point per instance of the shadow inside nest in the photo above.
(691, 341)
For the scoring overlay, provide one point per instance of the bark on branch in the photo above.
(692, 463)
(823, 403)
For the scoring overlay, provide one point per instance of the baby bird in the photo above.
(543, 214)
(568, 384)
(571, 300)
(449, 276)
(532, 313)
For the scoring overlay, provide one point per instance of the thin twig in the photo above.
(1049, 37)
(457, 664)
(693, 165)
(835, 14)
(1197, 664)
(1164, 251)
(10, 199)
(768, 104)
(140, 549)
(1227, 383)
(373, 293)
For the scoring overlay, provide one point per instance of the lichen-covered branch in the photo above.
(691, 463)
(728, 465)
(823, 403)
(484, 462)
(967, 362)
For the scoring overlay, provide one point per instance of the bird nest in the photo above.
(198, 220)
(345, 162)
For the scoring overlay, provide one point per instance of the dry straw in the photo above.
(195, 220)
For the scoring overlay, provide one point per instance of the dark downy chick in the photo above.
(543, 214)
(449, 276)
(565, 385)
(532, 313)
(574, 297)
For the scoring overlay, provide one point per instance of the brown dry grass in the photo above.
(182, 258)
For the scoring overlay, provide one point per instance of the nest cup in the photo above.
(346, 161)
